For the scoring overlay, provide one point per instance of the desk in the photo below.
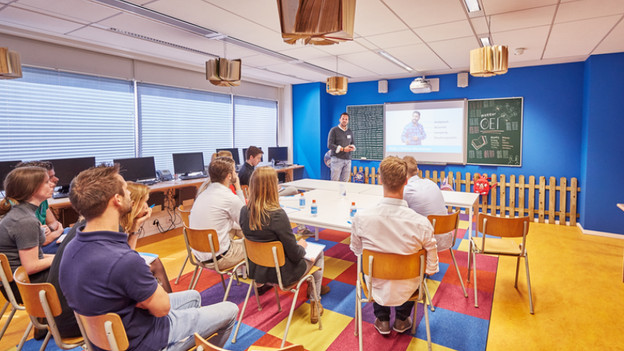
(288, 171)
(364, 195)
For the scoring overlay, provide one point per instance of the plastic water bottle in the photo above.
(302, 201)
(314, 208)
(342, 190)
(353, 210)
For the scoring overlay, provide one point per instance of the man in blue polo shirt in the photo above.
(99, 273)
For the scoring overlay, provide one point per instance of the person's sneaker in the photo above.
(325, 289)
(383, 327)
(401, 326)
(263, 289)
(314, 317)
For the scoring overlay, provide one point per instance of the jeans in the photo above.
(187, 316)
(401, 312)
(340, 169)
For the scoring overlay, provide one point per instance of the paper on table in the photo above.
(148, 257)
(313, 250)
(290, 209)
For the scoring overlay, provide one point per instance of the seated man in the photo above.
(52, 228)
(425, 197)
(253, 156)
(99, 273)
(217, 208)
(392, 227)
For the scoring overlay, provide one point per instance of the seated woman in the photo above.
(21, 235)
(131, 223)
(263, 220)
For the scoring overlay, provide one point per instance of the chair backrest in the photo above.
(105, 331)
(33, 294)
(443, 224)
(502, 226)
(204, 240)
(384, 265)
(184, 213)
(262, 253)
(7, 277)
(202, 344)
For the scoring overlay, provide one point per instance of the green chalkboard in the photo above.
(495, 132)
(366, 122)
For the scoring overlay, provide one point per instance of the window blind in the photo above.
(255, 123)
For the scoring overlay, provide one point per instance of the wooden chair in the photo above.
(202, 344)
(442, 225)
(105, 331)
(381, 265)
(41, 301)
(271, 255)
(7, 277)
(207, 240)
(184, 214)
(505, 228)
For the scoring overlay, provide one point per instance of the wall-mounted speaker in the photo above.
(382, 86)
(462, 79)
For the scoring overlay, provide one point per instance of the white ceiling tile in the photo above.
(416, 13)
(579, 37)
(389, 40)
(260, 60)
(373, 17)
(419, 57)
(297, 71)
(366, 43)
(304, 52)
(613, 42)
(522, 19)
(347, 47)
(79, 10)
(262, 12)
(374, 62)
(458, 29)
(493, 7)
(271, 76)
(455, 52)
(532, 39)
(480, 25)
(578, 10)
(344, 67)
(35, 21)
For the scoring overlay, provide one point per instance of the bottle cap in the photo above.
(353, 204)
(313, 201)
(301, 194)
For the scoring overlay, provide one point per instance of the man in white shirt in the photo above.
(218, 208)
(425, 197)
(392, 227)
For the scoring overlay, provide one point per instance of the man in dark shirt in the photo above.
(99, 273)
(340, 143)
(252, 157)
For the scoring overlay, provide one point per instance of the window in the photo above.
(174, 120)
(255, 123)
(48, 115)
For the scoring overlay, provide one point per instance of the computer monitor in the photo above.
(234, 151)
(279, 154)
(5, 168)
(67, 168)
(245, 154)
(139, 169)
(189, 162)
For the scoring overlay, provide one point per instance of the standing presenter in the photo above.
(340, 142)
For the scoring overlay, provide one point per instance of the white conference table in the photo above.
(333, 209)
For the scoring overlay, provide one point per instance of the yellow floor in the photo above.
(577, 292)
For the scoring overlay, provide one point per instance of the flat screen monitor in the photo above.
(137, 169)
(245, 154)
(234, 151)
(189, 162)
(67, 168)
(278, 154)
(5, 168)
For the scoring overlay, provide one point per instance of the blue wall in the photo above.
(560, 137)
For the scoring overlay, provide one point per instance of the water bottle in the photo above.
(353, 210)
(302, 201)
(342, 190)
(314, 209)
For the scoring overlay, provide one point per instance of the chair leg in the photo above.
(6, 325)
(469, 254)
(427, 324)
(23, 340)
(279, 305)
(461, 281)
(257, 297)
(45, 341)
(526, 261)
(414, 319)
(292, 309)
(242, 312)
(474, 258)
(359, 323)
(197, 278)
(222, 280)
(427, 295)
(229, 285)
(193, 277)
(517, 269)
(182, 269)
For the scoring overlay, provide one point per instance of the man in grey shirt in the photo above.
(340, 143)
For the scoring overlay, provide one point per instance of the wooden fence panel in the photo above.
(552, 192)
(532, 196)
(503, 195)
(573, 202)
(542, 199)
(521, 185)
(512, 195)
(494, 197)
(563, 192)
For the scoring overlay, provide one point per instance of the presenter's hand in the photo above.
(414, 138)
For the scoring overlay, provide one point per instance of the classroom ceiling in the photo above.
(430, 36)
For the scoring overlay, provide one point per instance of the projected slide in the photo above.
(430, 131)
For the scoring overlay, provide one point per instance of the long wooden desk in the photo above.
(333, 209)
(288, 171)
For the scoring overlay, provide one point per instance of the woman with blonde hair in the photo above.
(263, 220)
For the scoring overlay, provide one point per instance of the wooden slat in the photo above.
(552, 193)
(494, 197)
(563, 192)
(503, 196)
(435, 177)
(532, 197)
(573, 192)
(521, 185)
(366, 175)
(542, 199)
(512, 195)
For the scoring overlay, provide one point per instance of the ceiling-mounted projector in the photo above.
(420, 85)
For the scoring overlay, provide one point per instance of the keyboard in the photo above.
(193, 176)
(147, 181)
(60, 195)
